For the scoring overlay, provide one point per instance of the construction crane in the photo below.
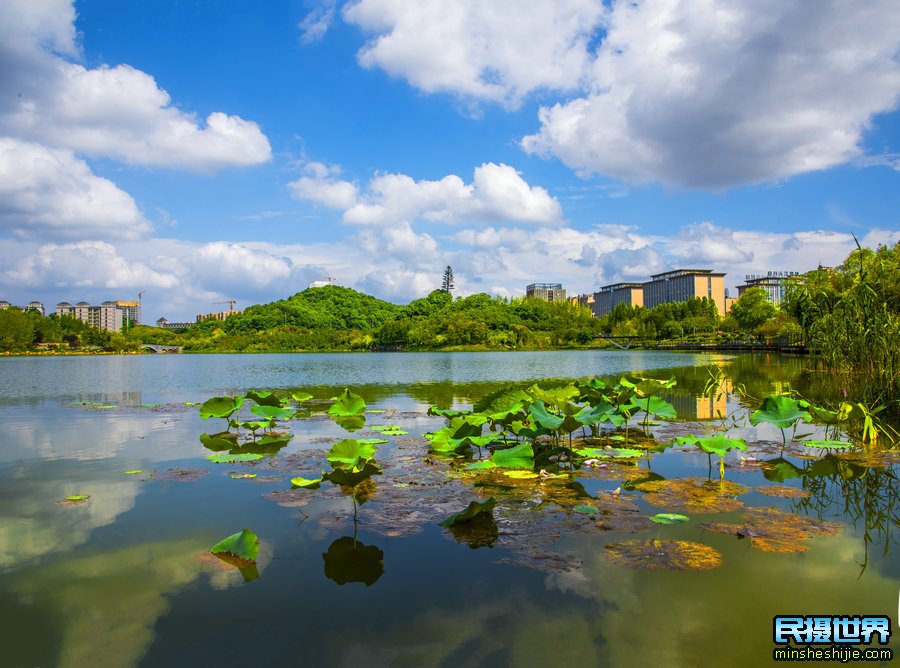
(230, 302)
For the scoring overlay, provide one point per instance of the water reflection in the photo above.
(349, 560)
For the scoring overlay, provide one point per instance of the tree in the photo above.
(752, 309)
(447, 283)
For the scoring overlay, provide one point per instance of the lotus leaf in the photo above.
(272, 412)
(220, 407)
(372, 441)
(833, 445)
(669, 518)
(243, 476)
(779, 470)
(351, 477)
(719, 445)
(518, 457)
(503, 400)
(772, 530)
(446, 412)
(628, 453)
(77, 497)
(587, 510)
(555, 396)
(351, 424)
(521, 475)
(679, 555)
(594, 452)
(307, 483)
(349, 452)
(263, 398)
(483, 464)
(348, 560)
(394, 430)
(219, 442)
(232, 458)
(347, 405)
(780, 411)
(543, 418)
(473, 510)
(242, 546)
(657, 406)
(300, 397)
(134, 471)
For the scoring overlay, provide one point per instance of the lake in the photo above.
(124, 578)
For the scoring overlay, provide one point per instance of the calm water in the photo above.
(124, 578)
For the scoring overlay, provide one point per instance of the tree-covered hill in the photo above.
(327, 308)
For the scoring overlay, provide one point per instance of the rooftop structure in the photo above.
(680, 285)
(549, 292)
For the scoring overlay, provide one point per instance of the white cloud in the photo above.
(715, 94)
(117, 112)
(498, 51)
(497, 193)
(48, 192)
(315, 24)
(321, 184)
(400, 286)
(86, 264)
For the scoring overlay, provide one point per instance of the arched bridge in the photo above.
(161, 349)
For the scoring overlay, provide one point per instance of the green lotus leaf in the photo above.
(628, 453)
(482, 441)
(543, 418)
(446, 412)
(502, 401)
(780, 469)
(394, 430)
(78, 497)
(220, 407)
(472, 511)
(518, 457)
(253, 425)
(243, 546)
(229, 458)
(555, 396)
(669, 518)
(347, 405)
(307, 483)
(780, 411)
(272, 412)
(646, 386)
(593, 452)
(351, 477)
(586, 510)
(658, 406)
(350, 452)
(134, 471)
(719, 445)
(219, 442)
(690, 439)
(442, 441)
(834, 445)
(242, 476)
(300, 397)
(372, 441)
(351, 424)
(348, 560)
(483, 464)
(263, 398)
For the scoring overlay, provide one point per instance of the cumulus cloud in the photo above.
(497, 193)
(712, 95)
(221, 265)
(86, 264)
(117, 112)
(498, 51)
(51, 193)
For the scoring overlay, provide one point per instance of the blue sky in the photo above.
(203, 151)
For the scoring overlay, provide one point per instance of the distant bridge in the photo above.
(615, 340)
(161, 349)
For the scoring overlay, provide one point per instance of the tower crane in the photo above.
(230, 302)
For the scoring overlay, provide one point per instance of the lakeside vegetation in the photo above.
(848, 316)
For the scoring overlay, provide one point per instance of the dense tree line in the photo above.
(29, 330)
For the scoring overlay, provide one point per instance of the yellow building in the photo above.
(609, 296)
(682, 284)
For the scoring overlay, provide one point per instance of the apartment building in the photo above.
(549, 292)
(775, 283)
(680, 285)
(609, 296)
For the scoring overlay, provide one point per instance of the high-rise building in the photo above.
(775, 283)
(35, 306)
(682, 284)
(131, 311)
(609, 296)
(549, 292)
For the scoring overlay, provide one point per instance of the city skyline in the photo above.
(203, 155)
